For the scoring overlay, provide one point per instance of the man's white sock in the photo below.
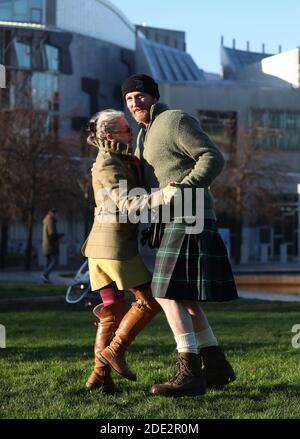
(206, 338)
(187, 343)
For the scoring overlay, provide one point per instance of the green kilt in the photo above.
(193, 266)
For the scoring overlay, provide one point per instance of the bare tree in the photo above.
(84, 181)
(247, 189)
(35, 169)
(8, 209)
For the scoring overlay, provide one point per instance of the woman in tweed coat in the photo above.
(112, 249)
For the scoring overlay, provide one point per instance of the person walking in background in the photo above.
(50, 243)
(112, 248)
(189, 268)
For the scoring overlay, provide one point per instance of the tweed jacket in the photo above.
(115, 229)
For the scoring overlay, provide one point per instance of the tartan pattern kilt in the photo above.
(193, 266)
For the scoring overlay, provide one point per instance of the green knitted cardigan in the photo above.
(175, 148)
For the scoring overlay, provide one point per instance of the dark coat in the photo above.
(50, 236)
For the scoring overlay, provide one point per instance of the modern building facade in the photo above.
(254, 92)
(62, 56)
(69, 59)
(167, 37)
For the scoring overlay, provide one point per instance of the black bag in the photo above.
(153, 235)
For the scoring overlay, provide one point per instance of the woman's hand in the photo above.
(93, 168)
(170, 192)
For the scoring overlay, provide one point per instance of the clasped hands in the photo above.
(169, 191)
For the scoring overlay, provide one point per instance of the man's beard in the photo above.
(142, 115)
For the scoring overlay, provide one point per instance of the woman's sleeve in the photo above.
(113, 188)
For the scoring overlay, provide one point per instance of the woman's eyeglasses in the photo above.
(125, 130)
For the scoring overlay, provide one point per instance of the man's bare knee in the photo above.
(192, 306)
(169, 303)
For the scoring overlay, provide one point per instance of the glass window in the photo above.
(275, 119)
(257, 118)
(265, 235)
(36, 15)
(23, 52)
(21, 7)
(36, 4)
(6, 12)
(276, 129)
(22, 10)
(221, 127)
(52, 57)
(291, 121)
(44, 88)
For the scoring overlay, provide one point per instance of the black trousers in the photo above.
(51, 263)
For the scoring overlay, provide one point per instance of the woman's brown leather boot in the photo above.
(108, 319)
(140, 314)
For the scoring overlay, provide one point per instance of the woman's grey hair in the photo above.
(101, 123)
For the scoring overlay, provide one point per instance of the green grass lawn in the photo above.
(49, 356)
(12, 290)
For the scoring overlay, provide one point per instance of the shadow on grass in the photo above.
(230, 393)
(257, 393)
(24, 306)
(250, 346)
(144, 350)
(267, 389)
(65, 352)
(76, 352)
(236, 307)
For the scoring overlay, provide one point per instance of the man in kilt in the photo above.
(190, 267)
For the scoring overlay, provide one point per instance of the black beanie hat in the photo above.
(142, 83)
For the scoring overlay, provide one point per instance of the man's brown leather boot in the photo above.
(108, 319)
(216, 368)
(140, 314)
(188, 381)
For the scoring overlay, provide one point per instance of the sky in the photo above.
(272, 22)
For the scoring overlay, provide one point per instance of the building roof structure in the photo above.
(238, 59)
(168, 64)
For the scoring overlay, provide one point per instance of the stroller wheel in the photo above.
(75, 293)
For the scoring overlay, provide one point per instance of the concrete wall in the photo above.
(171, 38)
(99, 61)
(228, 96)
(284, 66)
(50, 12)
(96, 18)
(239, 97)
(280, 70)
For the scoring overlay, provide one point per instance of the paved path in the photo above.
(32, 300)
(57, 277)
(258, 269)
(251, 282)
(269, 296)
(266, 276)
